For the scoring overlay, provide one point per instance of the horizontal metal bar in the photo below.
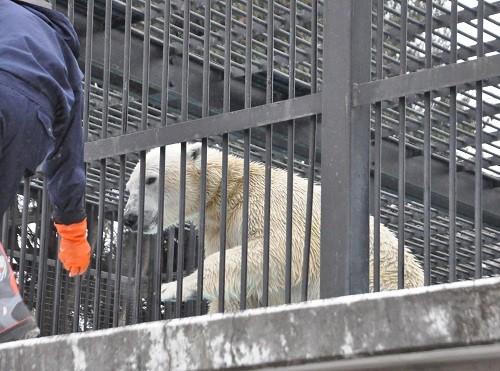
(426, 80)
(440, 184)
(204, 127)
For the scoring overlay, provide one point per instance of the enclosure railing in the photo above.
(385, 103)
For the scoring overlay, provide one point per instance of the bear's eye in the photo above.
(151, 180)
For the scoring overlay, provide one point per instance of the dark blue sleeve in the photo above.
(65, 168)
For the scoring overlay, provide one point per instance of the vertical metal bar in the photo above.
(402, 147)
(102, 180)
(311, 154)
(88, 68)
(109, 281)
(71, 11)
(345, 150)
(205, 112)
(122, 160)
(56, 303)
(377, 156)
(478, 158)
(290, 156)
(36, 252)
(269, 152)
(190, 265)
(42, 263)
(170, 266)
(246, 156)
(182, 221)
(201, 239)
(223, 219)
(184, 117)
(137, 302)
(453, 151)
(226, 107)
(24, 232)
(86, 113)
(427, 148)
(5, 229)
(158, 249)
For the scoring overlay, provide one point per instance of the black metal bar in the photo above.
(205, 127)
(268, 155)
(402, 147)
(427, 148)
(122, 160)
(377, 157)
(44, 249)
(24, 232)
(71, 11)
(181, 239)
(247, 135)
(136, 299)
(102, 181)
(453, 152)
(170, 266)
(435, 78)
(205, 111)
(311, 159)
(478, 156)
(201, 238)
(223, 221)
(290, 156)
(345, 162)
(56, 302)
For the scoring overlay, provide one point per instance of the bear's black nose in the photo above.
(130, 220)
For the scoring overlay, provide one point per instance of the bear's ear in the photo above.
(194, 152)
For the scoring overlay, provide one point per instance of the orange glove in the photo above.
(74, 250)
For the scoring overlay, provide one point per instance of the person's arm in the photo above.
(65, 170)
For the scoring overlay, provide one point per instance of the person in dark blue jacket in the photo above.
(40, 121)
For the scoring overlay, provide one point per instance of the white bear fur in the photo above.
(413, 276)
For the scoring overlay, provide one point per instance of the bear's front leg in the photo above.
(189, 288)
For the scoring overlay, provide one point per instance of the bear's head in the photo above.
(172, 192)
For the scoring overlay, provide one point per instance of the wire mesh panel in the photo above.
(199, 111)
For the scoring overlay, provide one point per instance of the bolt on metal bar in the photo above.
(427, 148)
(290, 156)
(377, 156)
(402, 146)
(452, 217)
(478, 157)
(311, 159)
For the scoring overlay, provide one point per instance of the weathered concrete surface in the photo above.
(446, 316)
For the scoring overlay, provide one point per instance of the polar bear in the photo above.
(413, 275)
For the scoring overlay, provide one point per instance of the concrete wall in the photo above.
(319, 333)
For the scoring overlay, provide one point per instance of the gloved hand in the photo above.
(74, 249)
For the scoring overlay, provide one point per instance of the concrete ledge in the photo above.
(437, 317)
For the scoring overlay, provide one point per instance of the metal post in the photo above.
(345, 149)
